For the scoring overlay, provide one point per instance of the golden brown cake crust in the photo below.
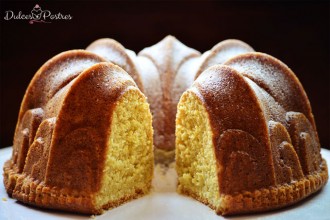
(47, 180)
(268, 198)
(47, 86)
(275, 78)
(31, 191)
(240, 133)
(266, 146)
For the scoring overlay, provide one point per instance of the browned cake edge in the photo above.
(30, 191)
(268, 198)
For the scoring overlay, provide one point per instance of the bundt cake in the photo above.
(83, 140)
(246, 139)
(163, 72)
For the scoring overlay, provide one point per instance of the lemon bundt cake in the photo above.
(83, 140)
(163, 72)
(246, 140)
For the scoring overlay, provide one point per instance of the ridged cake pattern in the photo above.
(266, 146)
(58, 151)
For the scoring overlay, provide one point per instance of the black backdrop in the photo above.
(295, 32)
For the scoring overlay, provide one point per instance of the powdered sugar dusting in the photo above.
(168, 54)
(185, 77)
(222, 52)
(273, 110)
(276, 79)
(115, 55)
(225, 54)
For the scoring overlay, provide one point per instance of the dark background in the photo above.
(295, 32)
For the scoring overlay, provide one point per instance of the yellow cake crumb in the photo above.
(195, 157)
(129, 162)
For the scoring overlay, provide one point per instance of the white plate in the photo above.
(164, 203)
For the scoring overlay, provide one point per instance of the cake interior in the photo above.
(195, 157)
(128, 166)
